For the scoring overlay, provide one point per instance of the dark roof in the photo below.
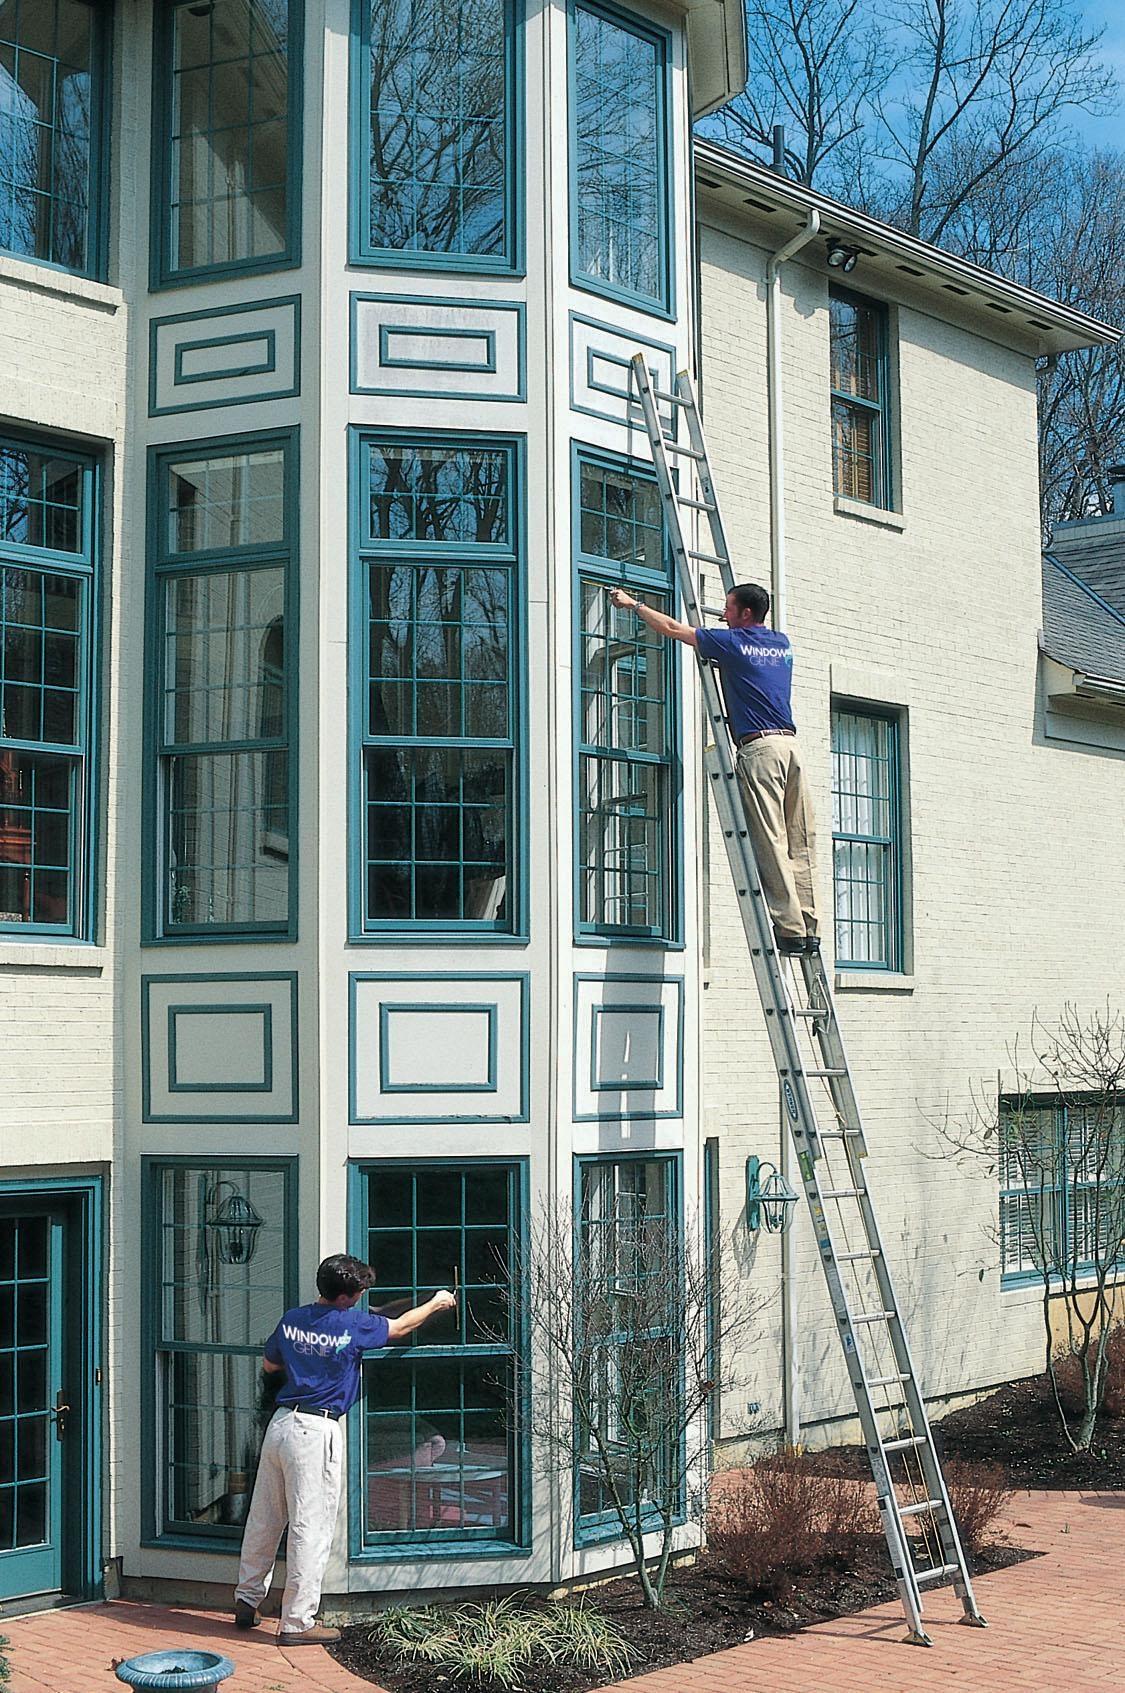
(1080, 628)
(1095, 551)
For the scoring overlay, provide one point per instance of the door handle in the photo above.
(59, 1416)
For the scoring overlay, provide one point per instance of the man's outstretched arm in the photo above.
(657, 621)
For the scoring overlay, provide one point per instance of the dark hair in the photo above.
(749, 597)
(343, 1274)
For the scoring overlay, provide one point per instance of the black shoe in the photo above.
(789, 946)
(245, 1616)
(812, 945)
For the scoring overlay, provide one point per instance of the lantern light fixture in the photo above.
(235, 1223)
(770, 1200)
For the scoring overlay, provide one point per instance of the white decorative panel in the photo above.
(219, 1048)
(449, 1048)
(432, 348)
(628, 1047)
(228, 356)
(600, 381)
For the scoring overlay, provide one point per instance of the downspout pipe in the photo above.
(790, 1375)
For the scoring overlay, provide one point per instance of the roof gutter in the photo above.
(790, 1372)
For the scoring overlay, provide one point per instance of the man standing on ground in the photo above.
(318, 1348)
(755, 664)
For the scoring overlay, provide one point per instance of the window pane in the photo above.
(439, 654)
(40, 656)
(236, 500)
(41, 497)
(221, 1285)
(38, 817)
(439, 1445)
(438, 833)
(440, 148)
(228, 132)
(620, 517)
(619, 162)
(626, 1321)
(213, 1432)
(867, 850)
(625, 676)
(227, 839)
(623, 833)
(855, 334)
(456, 494)
(439, 1448)
(224, 674)
(49, 99)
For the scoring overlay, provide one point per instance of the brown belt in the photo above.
(760, 735)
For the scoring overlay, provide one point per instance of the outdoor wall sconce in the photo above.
(841, 257)
(235, 1223)
(769, 1198)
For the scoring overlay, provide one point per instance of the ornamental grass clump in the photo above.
(501, 1642)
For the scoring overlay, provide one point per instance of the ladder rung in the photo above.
(873, 1316)
(826, 1075)
(937, 1573)
(840, 1134)
(669, 399)
(854, 1257)
(810, 1011)
(713, 610)
(842, 1193)
(688, 452)
(706, 558)
(696, 505)
(917, 1510)
(902, 1445)
(886, 1381)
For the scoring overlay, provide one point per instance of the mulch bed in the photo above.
(705, 1613)
(1017, 1429)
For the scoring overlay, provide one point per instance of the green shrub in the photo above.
(501, 1640)
(5, 1671)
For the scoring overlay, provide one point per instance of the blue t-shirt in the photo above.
(756, 670)
(320, 1348)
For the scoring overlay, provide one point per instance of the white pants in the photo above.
(298, 1483)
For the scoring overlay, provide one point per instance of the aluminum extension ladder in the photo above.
(809, 1053)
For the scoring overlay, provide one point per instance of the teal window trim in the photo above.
(411, 1545)
(890, 845)
(387, 1008)
(512, 554)
(596, 1527)
(512, 261)
(163, 564)
(663, 303)
(84, 568)
(155, 1529)
(878, 410)
(265, 366)
(1056, 1195)
(162, 272)
(590, 566)
(98, 173)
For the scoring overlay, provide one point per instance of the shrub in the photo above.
(5, 1672)
(498, 1642)
(978, 1494)
(1068, 1377)
(785, 1518)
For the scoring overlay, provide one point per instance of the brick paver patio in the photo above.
(1056, 1623)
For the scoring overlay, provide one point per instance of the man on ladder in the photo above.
(755, 664)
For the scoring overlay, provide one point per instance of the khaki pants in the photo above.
(780, 820)
(298, 1485)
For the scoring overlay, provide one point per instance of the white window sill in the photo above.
(873, 981)
(844, 507)
(45, 955)
(59, 282)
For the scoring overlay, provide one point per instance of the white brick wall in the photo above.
(1018, 848)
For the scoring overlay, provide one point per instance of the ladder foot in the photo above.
(916, 1637)
(973, 1619)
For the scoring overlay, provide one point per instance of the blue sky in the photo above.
(1108, 131)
